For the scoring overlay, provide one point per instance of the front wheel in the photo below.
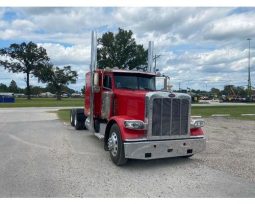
(116, 146)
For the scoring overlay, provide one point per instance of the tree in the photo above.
(215, 92)
(3, 88)
(57, 78)
(13, 87)
(68, 90)
(229, 90)
(83, 90)
(25, 57)
(241, 91)
(36, 90)
(120, 50)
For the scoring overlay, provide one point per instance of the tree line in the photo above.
(228, 93)
(34, 90)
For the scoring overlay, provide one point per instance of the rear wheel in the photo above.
(116, 146)
(79, 125)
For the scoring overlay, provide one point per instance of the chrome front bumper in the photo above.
(162, 149)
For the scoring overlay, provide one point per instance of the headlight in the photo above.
(197, 123)
(135, 124)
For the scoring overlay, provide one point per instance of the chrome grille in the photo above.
(170, 116)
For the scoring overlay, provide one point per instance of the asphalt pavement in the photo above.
(41, 156)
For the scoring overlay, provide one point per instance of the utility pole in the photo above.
(249, 71)
(155, 58)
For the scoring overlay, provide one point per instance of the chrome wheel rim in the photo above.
(71, 118)
(75, 121)
(113, 144)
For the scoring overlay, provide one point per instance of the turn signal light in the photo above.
(196, 131)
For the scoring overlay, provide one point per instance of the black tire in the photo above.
(96, 125)
(79, 125)
(72, 117)
(117, 156)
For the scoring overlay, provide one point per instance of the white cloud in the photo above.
(177, 21)
(9, 34)
(194, 43)
(221, 56)
(2, 11)
(21, 24)
(217, 67)
(2, 24)
(233, 26)
(71, 20)
(61, 55)
(16, 29)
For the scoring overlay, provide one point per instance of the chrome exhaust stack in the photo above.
(150, 57)
(93, 66)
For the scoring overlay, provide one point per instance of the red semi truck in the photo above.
(135, 120)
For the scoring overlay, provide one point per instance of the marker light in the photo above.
(197, 123)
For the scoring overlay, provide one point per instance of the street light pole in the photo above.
(249, 71)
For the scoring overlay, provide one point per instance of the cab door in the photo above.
(107, 97)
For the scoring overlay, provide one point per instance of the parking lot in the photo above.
(41, 156)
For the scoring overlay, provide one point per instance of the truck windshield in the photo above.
(134, 82)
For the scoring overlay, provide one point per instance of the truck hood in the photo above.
(130, 103)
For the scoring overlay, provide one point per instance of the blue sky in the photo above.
(200, 48)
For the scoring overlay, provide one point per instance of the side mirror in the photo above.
(163, 83)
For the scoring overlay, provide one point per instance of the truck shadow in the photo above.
(180, 161)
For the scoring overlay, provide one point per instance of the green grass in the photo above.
(64, 114)
(44, 102)
(234, 111)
